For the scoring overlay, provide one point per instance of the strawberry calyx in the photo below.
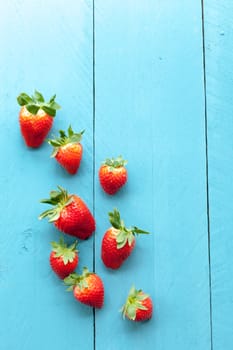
(114, 163)
(75, 279)
(61, 249)
(65, 139)
(134, 303)
(59, 199)
(35, 102)
(125, 235)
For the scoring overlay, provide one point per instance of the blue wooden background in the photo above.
(150, 80)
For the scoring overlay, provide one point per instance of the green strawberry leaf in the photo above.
(54, 143)
(54, 153)
(61, 249)
(47, 201)
(130, 238)
(71, 281)
(58, 196)
(142, 307)
(23, 99)
(68, 256)
(131, 312)
(45, 213)
(49, 110)
(59, 199)
(83, 284)
(38, 96)
(134, 303)
(141, 295)
(132, 291)
(64, 139)
(75, 138)
(139, 231)
(121, 239)
(74, 279)
(62, 134)
(70, 289)
(70, 131)
(55, 197)
(126, 234)
(36, 102)
(52, 99)
(73, 246)
(54, 216)
(115, 162)
(115, 219)
(32, 108)
(54, 245)
(55, 105)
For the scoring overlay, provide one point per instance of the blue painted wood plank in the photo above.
(150, 108)
(218, 43)
(48, 46)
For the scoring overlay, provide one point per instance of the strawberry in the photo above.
(87, 288)
(70, 214)
(68, 150)
(138, 306)
(113, 174)
(118, 241)
(36, 117)
(63, 258)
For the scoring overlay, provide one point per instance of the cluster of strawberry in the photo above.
(71, 215)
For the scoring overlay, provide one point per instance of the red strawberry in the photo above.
(88, 288)
(138, 306)
(68, 150)
(70, 214)
(36, 117)
(118, 241)
(63, 259)
(113, 174)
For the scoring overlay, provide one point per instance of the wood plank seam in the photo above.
(93, 145)
(207, 170)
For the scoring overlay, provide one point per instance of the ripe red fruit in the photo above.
(87, 288)
(36, 117)
(118, 241)
(70, 214)
(63, 258)
(113, 175)
(68, 150)
(138, 306)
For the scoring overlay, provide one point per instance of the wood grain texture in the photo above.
(47, 46)
(218, 43)
(150, 108)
